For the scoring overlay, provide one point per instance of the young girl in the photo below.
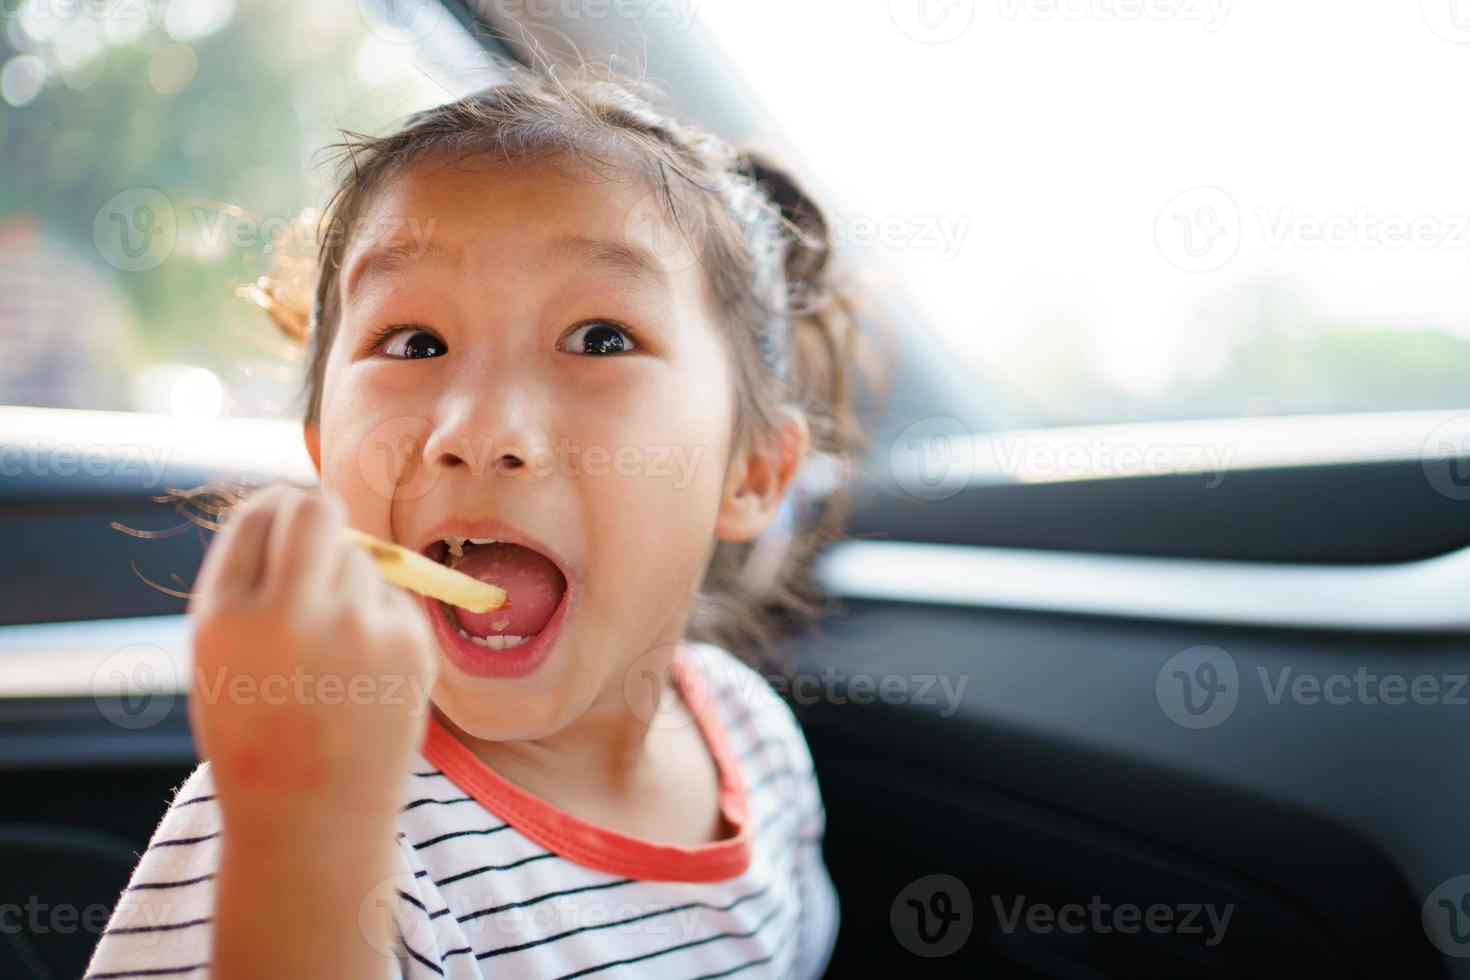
(575, 349)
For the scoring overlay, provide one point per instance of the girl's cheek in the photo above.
(372, 454)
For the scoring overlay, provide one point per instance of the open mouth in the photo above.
(534, 584)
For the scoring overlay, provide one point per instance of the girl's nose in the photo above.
(506, 460)
(484, 433)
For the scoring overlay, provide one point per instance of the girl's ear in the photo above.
(313, 435)
(759, 478)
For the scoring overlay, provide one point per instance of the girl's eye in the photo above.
(599, 337)
(409, 343)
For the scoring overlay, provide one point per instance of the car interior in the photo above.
(1227, 696)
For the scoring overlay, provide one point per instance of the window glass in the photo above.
(1112, 210)
(154, 154)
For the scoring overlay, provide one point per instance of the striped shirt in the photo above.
(493, 881)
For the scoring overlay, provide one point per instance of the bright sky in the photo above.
(1054, 134)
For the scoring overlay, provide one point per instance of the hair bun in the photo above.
(284, 291)
(811, 244)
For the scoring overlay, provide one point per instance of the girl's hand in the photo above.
(312, 675)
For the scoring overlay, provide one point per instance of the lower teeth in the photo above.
(495, 642)
(489, 642)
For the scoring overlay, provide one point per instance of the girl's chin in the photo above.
(491, 711)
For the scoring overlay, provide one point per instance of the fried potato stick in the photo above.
(425, 576)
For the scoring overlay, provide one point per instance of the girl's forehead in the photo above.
(482, 190)
(448, 214)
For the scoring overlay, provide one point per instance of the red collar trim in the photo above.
(600, 848)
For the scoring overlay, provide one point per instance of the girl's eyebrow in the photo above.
(387, 258)
(626, 260)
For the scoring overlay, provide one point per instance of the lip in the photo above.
(480, 661)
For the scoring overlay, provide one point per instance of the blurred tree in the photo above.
(221, 110)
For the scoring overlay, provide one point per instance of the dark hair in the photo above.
(765, 249)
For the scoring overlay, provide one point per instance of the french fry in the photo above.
(425, 576)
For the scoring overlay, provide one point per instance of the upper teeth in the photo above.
(456, 544)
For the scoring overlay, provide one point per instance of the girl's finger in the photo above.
(303, 547)
(358, 580)
(403, 605)
(232, 565)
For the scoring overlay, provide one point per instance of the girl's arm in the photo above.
(310, 696)
(316, 906)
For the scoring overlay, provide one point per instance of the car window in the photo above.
(155, 155)
(1128, 211)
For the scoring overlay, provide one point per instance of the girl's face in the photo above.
(518, 358)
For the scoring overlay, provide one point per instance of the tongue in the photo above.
(532, 582)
